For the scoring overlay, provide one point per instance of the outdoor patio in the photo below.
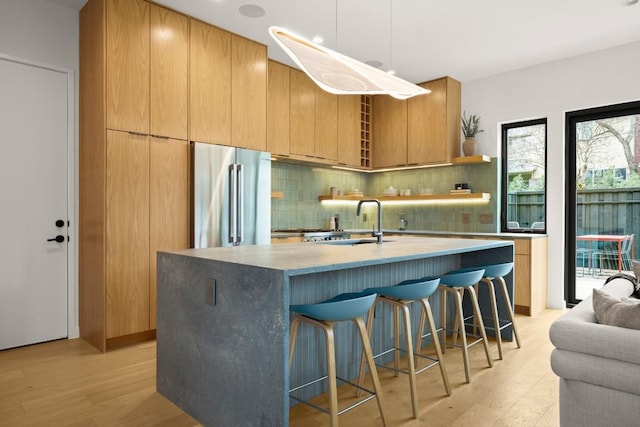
(590, 280)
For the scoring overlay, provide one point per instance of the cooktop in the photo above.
(302, 230)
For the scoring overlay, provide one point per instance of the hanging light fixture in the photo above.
(340, 74)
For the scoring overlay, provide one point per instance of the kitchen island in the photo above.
(223, 318)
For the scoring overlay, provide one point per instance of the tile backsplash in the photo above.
(302, 184)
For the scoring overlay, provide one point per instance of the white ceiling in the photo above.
(426, 39)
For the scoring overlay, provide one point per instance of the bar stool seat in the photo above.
(498, 272)
(456, 283)
(401, 296)
(343, 307)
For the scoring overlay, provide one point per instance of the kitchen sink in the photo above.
(352, 242)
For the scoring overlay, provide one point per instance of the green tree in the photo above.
(517, 184)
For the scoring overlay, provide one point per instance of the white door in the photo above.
(33, 196)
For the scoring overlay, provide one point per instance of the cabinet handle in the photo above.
(138, 133)
(160, 136)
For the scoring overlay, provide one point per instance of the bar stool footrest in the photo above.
(326, 411)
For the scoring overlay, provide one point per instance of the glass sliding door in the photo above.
(603, 195)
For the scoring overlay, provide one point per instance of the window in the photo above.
(524, 168)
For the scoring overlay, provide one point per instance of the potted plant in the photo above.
(470, 128)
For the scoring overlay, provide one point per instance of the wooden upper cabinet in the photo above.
(168, 205)
(210, 84)
(127, 234)
(169, 73)
(349, 107)
(248, 94)
(127, 65)
(278, 95)
(434, 123)
(303, 114)
(389, 131)
(326, 125)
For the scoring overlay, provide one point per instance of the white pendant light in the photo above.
(339, 74)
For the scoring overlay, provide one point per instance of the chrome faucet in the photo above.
(377, 234)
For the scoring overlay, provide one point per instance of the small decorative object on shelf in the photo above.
(470, 128)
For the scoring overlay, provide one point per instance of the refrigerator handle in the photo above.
(240, 202)
(233, 197)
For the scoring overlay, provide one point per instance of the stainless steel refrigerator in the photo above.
(231, 196)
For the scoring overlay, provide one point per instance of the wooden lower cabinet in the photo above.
(145, 191)
(127, 234)
(531, 275)
(531, 268)
(168, 205)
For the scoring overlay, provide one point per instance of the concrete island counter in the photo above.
(223, 317)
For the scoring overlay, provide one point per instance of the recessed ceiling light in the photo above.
(391, 72)
(317, 40)
(374, 63)
(628, 2)
(251, 11)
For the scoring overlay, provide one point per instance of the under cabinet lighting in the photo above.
(477, 199)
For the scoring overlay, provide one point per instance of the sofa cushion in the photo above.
(610, 310)
(577, 330)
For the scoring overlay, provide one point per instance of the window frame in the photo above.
(505, 174)
(572, 118)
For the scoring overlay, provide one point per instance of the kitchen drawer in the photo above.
(522, 246)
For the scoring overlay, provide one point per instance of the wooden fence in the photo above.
(609, 211)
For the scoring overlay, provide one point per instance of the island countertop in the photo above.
(308, 258)
(223, 315)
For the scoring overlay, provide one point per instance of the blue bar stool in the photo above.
(400, 297)
(323, 315)
(497, 272)
(455, 283)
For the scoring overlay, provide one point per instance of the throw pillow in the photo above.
(614, 312)
(635, 265)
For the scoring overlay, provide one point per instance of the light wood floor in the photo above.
(68, 383)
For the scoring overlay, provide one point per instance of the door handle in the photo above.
(59, 238)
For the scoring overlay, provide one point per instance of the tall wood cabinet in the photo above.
(248, 94)
(278, 111)
(422, 130)
(133, 162)
(228, 88)
(209, 98)
(169, 70)
(389, 132)
(127, 64)
(303, 115)
(433, 123)
(326, 126)
(349, 110)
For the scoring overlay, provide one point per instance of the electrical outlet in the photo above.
(209, 292)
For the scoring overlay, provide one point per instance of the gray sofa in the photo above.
(598, 366)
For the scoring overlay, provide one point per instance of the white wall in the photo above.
(46, 33)
(550, 90)
(39, 31)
